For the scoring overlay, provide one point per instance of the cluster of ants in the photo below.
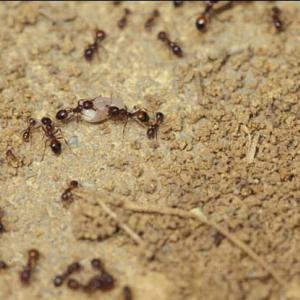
(102, 281)
(201, 23)
(54, 134)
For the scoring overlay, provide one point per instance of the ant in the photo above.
(153, 128)
(139, 115)
(150, 22)
(103, 282)
(27, 133)
(68, 113)
(163, 36)
(276, 12)
(67, 196)
(201, 21)
(89, 51)
(72, 268)
(50, 132)
(123, 21)
(33, 257)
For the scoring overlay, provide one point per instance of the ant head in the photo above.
(156, 13)
(74, 183)
(100, 35)
(31, 121)
(46, 121)
(88, 104)
(113, 111)
(163, 36)
(160, 117)
(62, 114)
(143, 116)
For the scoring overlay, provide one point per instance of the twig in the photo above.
(194, 214)
(115, 217)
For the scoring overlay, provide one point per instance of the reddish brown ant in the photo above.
(103, 282)
(3, 265)
(123, 21)
(202, 19)
(209, 11)
(68, 113)
(50, 131)
(276, 12)
(27, 133)
(153, 128)
(123, 114)
(67, 196)
(72, 268)
(91, 49)
(33, 257)
(164, 37)
(150, 22)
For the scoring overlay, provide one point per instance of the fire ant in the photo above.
(276, 12)
(201, 21)
(123, 21)
(67, 196)
(103, 282)
(72, 268)
(50, 131)
(68, 113)
(123, 114)
(89, 51)
(27, 133)
(150, 22)
(153, 128)
(163, 36)
(33, 257)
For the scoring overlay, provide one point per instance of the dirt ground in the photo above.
(229, 148)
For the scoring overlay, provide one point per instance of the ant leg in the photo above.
(126, 121)
(61, 137)
(44, 150)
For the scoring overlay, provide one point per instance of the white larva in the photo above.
(100, 113)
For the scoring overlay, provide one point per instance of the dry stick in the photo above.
(194, 214)
(197, 214)
(115, 217)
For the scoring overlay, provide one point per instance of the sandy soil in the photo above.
(229, 147)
